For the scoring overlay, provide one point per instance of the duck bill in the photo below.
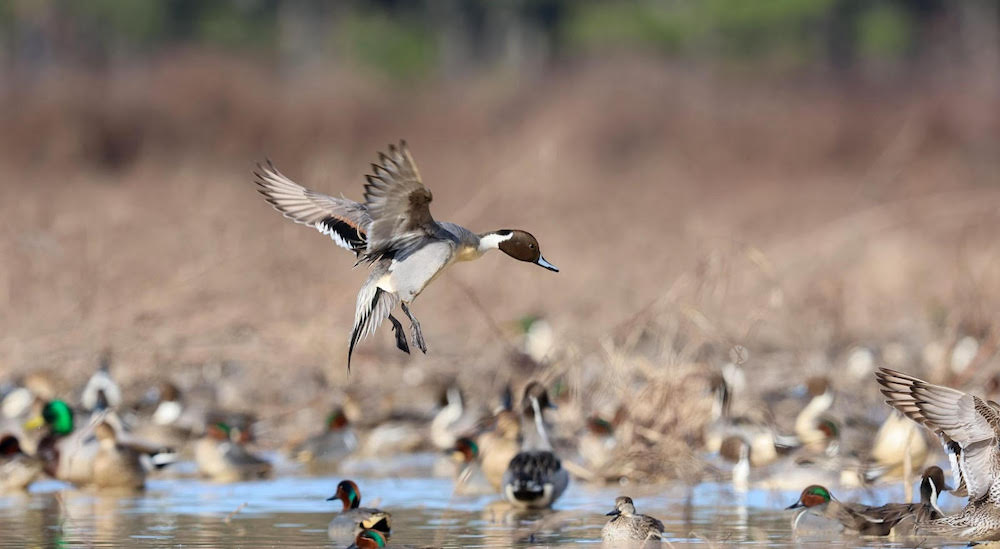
(34, 423)
(614, 513)
(541, 262)
(795, 505)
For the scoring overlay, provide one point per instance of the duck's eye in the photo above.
(532, 246)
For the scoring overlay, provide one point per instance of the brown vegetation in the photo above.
(689, 211)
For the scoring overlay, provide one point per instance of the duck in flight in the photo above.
(394, 232)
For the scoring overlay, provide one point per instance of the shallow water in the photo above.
(292, 512)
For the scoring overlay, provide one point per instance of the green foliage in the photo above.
(231, 25)
(395, 46)
(735, 28)
(884, 31)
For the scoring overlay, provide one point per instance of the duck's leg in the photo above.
(397, 329)
(418, 336)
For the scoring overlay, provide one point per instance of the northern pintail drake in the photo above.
(626, 524)
(882, 520)
(969, 429)
(394, 231)
(535, 477)
(354, 519)
(101, 391)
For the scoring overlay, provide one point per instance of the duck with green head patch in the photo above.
(370, 539)
(67, 452)
(222, 457)
(325, 451)
(881, 520)
(353, 518)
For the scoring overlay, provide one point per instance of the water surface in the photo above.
(292, 512)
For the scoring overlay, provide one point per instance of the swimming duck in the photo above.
(70, 454)
(394, 231)
(17, 469)
(969, 429)
(765, 443)
(882, 520)
(116, 466)
(625, 524)
(470, 479)
(66, 452)
(535, 477)
(328, 448)
(353, 518)
(499, 446)
(222, 457)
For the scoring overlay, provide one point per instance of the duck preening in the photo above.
(394, 231)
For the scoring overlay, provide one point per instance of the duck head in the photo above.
(370, 539)
(465, 451)
(9, 446)
(337, 420)
(348, 493)
(57, 415)
(932, 483)
(535, 397)
(623, 507)
(105, 434)
(812, 497)
(522, 246)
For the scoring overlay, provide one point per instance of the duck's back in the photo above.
(346, 525)
(535, 479)
(636, 527)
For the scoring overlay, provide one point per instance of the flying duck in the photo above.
(392, 230)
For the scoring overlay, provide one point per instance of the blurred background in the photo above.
(782, 185)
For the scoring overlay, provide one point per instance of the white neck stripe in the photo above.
(492, 241)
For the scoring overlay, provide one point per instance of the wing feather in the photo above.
(343, 220)
(956, 416)
(397, 201)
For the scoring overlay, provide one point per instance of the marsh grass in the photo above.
(690, 212)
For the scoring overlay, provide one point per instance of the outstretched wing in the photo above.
(397, 201)
(345, 221)
(960, 417)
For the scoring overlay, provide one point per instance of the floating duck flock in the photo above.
(96, 440)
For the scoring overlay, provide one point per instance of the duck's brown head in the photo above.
(523, 246)
(932, 484)
(623, 507)
(337, 420)
(348, 493)
(465, 451)
(813, 496)
(535, 394)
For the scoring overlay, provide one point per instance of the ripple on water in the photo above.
(294, 512)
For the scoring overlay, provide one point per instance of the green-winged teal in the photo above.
(221, 456)
(626, 524)
(394, 231)
(882, 520)
(354, 519)
(535, 477)
(969, 429)
(329, 448)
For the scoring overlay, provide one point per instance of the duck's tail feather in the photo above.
(374, 305)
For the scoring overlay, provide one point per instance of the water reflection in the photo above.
(293, 512)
